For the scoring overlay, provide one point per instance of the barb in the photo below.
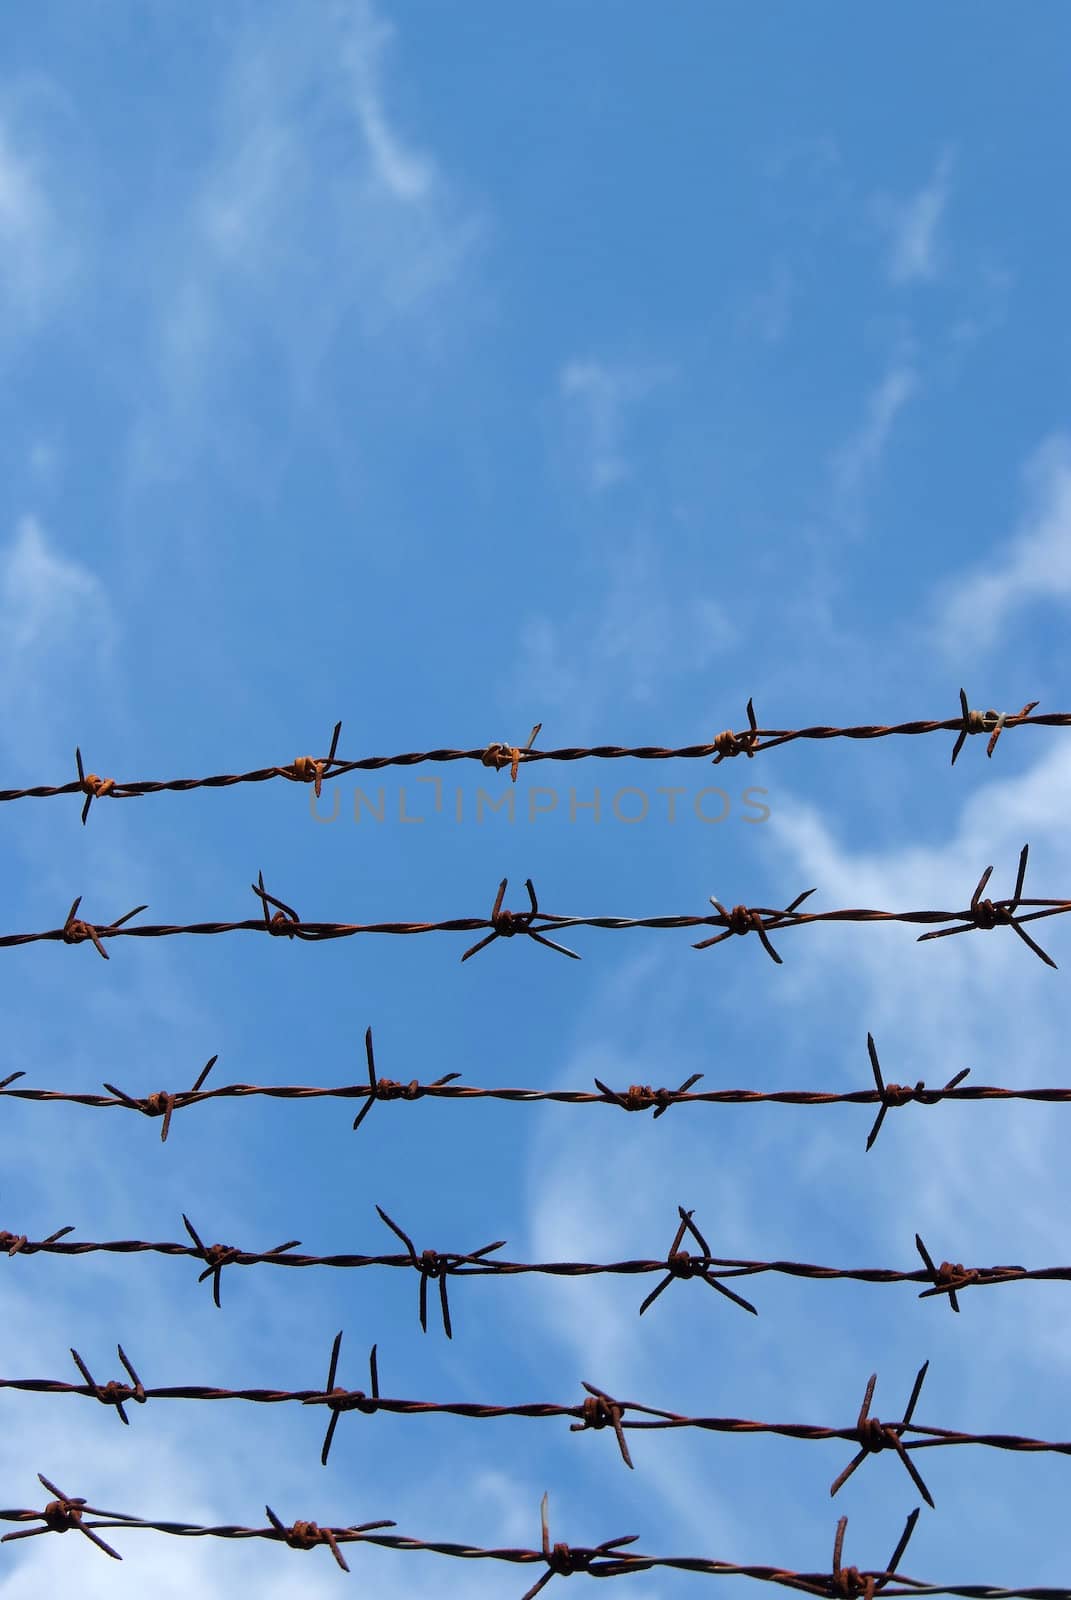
(387, 1089)
(680, 1264)
(597, 1411)
(749, 741)
(897, 1094)
(605, 1560)
(874, 1436)
(504, 924)
(988, 914)
(431, 1264)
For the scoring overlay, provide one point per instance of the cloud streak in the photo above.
(913, 225)
(1034, 566)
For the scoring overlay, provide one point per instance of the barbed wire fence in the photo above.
(598, 1410)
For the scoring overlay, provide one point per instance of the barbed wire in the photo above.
(749, 741)
(609, 1559)
(599, 1410)
(436, 1266)
(163, 1103)
(982, 914)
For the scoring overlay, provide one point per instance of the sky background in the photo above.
(445, 369)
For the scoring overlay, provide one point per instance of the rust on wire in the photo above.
(680, 1264)
(505, 923)
(306, 770)
(741, 920)
(508, 755)
(637, 1097)
(981, 914)
(432, 1264)
(562, 1561)
(598, 1410)
(386, 1088)
(874, 1436)
(747, 741)
(988, 914)
(608, 1559)
(897, 1094)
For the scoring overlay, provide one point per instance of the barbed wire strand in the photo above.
(982, 914)
(439, 1265)
(163, 1103)
(599, 1410)
(605, 1560)
(749, 741)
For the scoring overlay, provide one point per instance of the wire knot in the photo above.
(432, 1264)
(640, 1097)
(986, 914)
(501, 755)
(96, 787)
(12, 1242)
(305, 1536)
(681, 1264)
(62, 1515)
(388, 1089)
(306, 769)
(991, 722)
(874, 1436)
(741, 920)
(220, 1255)
(848, 1582)
(563, 1561)
(955, 1275)
(158, 1103)
(598, 1411)
(730, 744)
(115, 1393)
(351, 1400)
(505, 923)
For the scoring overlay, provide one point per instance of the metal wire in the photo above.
(749, 741)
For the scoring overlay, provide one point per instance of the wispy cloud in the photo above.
(643, 636)
(34, 252)
(768, 311)
(857, 461)
(912, 226)
(597, 398)
(314, 222)
(1034, 565)
(47, 600)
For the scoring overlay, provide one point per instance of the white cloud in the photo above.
(48, 603)
(1035, 564)
(597, 397)
(913, 225)
(769, 311)
(314, 221)
(644, 634)
(857, 461)
(33, 255)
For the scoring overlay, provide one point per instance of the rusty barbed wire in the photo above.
(605, 1560)
(439, 1265)
(597, 1411)
(163, 1103)
(749, 741)
(982, 914)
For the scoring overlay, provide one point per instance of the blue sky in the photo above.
(445, 370)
